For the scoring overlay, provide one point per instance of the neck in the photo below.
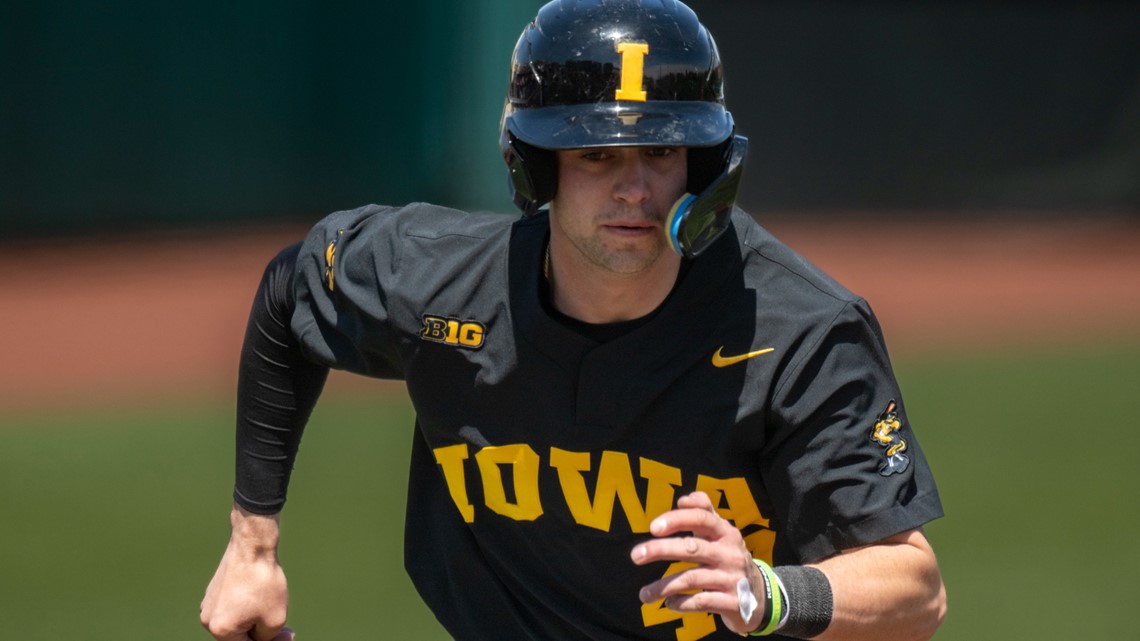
(593, 295)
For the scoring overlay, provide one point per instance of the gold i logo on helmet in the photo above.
(632, 71)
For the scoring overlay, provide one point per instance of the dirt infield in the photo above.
(153, 317)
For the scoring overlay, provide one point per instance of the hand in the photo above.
(717, 549)
(248, 597)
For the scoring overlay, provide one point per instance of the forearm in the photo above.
(890, 591)
(277, 390)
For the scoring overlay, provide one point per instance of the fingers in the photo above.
(246, 602)
(714, 541)
(690, 549)
(286, 634)
(695, 534)
(694, 513)
(702, 589)
(265, 633)
(687, 583)
(698, 500)
(715, 602)
(248, 597)
(225, 632)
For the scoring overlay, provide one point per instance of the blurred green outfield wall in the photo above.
(123, 114)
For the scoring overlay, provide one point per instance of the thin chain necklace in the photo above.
(546, 264)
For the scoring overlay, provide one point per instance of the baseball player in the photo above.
(638, 414)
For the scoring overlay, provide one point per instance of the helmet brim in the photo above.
(611, 124)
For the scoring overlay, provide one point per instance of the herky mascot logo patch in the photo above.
(886, 434)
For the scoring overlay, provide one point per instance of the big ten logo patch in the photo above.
(452, 331)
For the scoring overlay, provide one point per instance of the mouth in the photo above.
(630, 229)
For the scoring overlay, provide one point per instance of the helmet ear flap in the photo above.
(533, 173)
(706, 164)
(696, 221)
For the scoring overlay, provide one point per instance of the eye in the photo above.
(595, 154)
(660, 152)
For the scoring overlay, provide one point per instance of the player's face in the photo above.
(612, 203)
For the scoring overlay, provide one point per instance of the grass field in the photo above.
(111, 523)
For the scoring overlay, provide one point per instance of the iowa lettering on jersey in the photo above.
(614, 487)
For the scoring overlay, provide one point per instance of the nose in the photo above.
(631, 182)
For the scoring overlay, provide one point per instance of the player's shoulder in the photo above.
(423, 220)
(769, 260)
(414, 230)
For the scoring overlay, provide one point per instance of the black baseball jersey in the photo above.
(542, 453)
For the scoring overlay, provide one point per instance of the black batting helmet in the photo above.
(599, 73)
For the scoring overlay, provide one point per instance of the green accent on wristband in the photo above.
(775, 604)
(767, 594)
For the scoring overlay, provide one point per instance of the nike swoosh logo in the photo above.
(725, 361)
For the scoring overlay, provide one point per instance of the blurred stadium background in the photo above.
(973, 168)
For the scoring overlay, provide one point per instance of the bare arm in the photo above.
(889, 591)
(248, 597)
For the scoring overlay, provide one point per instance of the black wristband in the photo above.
(808, 599)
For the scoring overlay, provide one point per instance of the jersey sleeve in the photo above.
(843, 467)
(277, 391)
(344, 273)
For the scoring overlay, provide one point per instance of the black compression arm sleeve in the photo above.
(277, 390)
